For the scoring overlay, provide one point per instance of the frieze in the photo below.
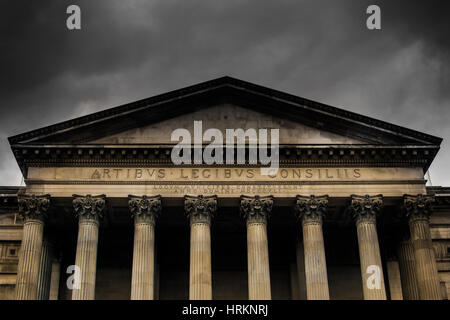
(221, 174)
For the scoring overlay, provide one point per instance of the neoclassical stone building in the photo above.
(105, 214)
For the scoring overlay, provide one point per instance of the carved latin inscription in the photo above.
(233, 174)
(219, 174)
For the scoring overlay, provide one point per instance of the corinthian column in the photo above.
(256, 210)
(200, 211)
(89, 210)
(145, 210)
(33, 209)
(365, 208)
(310, 211)
(418, 211)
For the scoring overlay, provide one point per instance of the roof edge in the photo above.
(214, 84)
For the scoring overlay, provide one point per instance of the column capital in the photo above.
(365, 208)
(418, 207)
(89, 207)
(256, 209)
(200, 209)
(311, 209)
(34, 207)
(145, 208)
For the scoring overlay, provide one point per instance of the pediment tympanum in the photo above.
(227, 116)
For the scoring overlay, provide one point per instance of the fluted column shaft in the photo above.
(145, 211)
(395, 284)
(86, 259)
(45, 271)
(370, 260)
(33, 209)
(29, 262)
(407, 264)
(143, 262)
(200, 279)
(365, 209)
(315, 262)
(426, 269)
(418, 209)
(310, 210)
(200, 211)
(256, 211)
(258, 262)
(300, 261)
(54, 280)
(89, 210)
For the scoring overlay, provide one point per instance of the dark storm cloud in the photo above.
(129, 50)
(424, 20)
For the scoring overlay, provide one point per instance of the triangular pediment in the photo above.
(225, 103)
(222, 117)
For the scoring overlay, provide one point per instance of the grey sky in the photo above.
(128, 50)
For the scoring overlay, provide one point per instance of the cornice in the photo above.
(290, 155)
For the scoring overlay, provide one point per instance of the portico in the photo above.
(346, 215)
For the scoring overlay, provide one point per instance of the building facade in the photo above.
(106, 214)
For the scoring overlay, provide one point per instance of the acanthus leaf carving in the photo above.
(366, 208)
(89, 207)
(145, 208)
(256, 209)
(418, 207)
(311, 209)
(34, 207)
(200, 209)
